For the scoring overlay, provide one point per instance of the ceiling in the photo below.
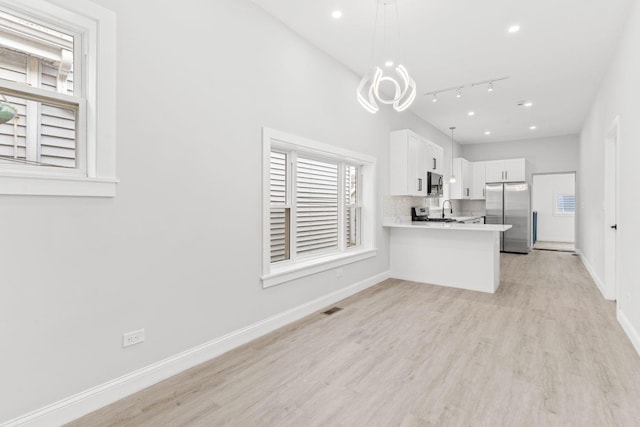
(556, 60)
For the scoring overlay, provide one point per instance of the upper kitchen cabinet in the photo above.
(408, 157)
(462, 170)
(510, 170)
(435, 158)
(479, 180)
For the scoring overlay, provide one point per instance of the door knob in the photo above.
(614, 227)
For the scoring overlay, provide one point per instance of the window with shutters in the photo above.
(314, 203)
(565, 204)
(50, 59)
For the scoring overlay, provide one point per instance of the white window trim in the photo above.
(287, 271)
(97, 56)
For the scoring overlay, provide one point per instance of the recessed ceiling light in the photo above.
(514, 28)
(534, 127)
(471, 113)
(488, 132)
(388, 63)
(336, 14)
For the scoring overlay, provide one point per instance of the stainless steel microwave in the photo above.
(434, 184)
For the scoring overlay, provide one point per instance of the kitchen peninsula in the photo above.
(465, 256)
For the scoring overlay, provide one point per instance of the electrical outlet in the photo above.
(339, 272)
(133, 338)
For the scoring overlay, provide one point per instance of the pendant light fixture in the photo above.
(403, 87)
(452, 179)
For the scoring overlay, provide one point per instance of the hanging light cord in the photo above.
(375, 32)
(401, 56)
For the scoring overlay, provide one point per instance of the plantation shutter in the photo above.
(279, 214)
(317, 206)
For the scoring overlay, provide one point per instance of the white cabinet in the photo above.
(435, 158)
(408, 158)
(461, 189)
(494, 170)
(479, 180)
(515, 170)
(510, 170)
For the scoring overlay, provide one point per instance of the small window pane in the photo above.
(566, 204)
(352, 211)
(278, 178)
(40, 133)
(35, 54)
(279, 227)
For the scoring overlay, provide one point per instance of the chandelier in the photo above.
(402, 86)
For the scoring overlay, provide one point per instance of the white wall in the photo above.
(544, 155)
(178, 251)
(618, 96)
(544, 191)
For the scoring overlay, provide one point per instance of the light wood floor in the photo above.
(545, 350)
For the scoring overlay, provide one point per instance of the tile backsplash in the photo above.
(400, 206)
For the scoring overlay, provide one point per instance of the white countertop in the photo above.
(446, 226)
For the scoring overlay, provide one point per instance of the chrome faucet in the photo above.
(450, 207)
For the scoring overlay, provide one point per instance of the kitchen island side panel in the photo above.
(454, 258)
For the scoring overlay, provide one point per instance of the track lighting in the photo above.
(460, 88)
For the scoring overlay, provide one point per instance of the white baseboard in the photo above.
(599, 283)
(74, 407)
(631, 332)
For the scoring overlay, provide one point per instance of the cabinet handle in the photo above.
(467, 192)
(484, 192)
(506, 174)
(435, 163)
(419, 184)
(502, 175)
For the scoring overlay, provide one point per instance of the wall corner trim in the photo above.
(599, 283)
(631, 332)
(73, 407)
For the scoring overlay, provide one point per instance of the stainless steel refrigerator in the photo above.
(508, 203)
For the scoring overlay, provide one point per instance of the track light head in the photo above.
(459, 93)
(490, 88)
